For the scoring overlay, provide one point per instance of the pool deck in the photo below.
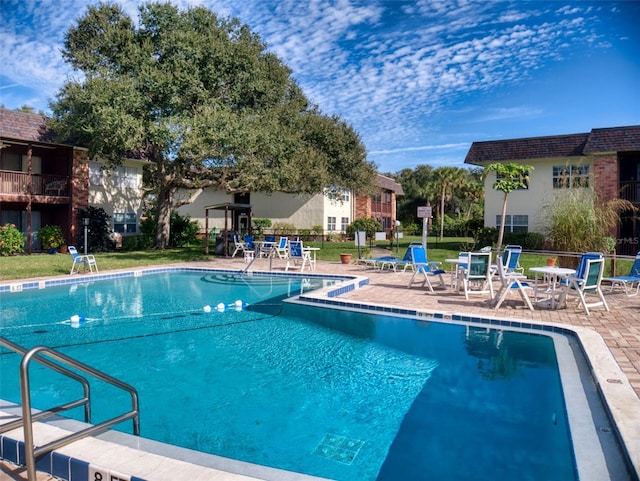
(619, 328)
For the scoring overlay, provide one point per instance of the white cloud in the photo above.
(388, 68)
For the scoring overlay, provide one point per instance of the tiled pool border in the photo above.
(607, 375)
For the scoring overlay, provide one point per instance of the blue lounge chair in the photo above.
(422, 266)
(298, 256)
(282, 249)
(376, 262)
(511, 259)
(405, 262)
(629, 281)
(586, 281)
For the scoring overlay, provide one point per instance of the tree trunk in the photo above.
(502, 222)
(164, 205)
(442, 197)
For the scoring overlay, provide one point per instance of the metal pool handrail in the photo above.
(35, 354)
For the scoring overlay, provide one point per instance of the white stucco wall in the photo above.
(303, 211)
(118, 199)
(533, 201)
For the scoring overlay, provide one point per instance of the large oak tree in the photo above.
(204, 101)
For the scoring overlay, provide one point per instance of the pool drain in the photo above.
(338, 448)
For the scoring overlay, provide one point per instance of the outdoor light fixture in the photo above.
(85, 223)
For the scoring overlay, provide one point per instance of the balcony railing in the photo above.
(17, 183)
(630, 190)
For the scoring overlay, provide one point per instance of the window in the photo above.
(331, 223)
(125, 177)
(345, 224)
(570, 176)
(125, 223)
(95, 173)
(514, 223)
(345, 195)
(11, 161)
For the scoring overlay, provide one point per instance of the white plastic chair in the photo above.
(586, 282)
(476, 278)
(422, 266)
(241, 246)
(86, 261)
(510, 281)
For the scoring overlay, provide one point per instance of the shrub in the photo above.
(99, 230)
(581, 222)
(528, 240)
(51, 236)
(183, 231)
(259, 225)
(369, 225)
(411, 228)
(11, 240)
(486, 236)
(284, 229)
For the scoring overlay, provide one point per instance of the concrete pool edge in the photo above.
(617, 394)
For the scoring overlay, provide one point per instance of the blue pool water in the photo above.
(342, 395)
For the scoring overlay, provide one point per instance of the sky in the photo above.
(419, 80)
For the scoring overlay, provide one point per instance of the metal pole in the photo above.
(85, 239)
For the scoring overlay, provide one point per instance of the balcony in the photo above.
(14, 186)
(630, 190)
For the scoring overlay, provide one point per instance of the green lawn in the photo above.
(41, 265)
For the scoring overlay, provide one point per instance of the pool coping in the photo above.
(617, 394)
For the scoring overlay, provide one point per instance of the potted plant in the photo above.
(345, 258)
(51, 238)
(551, 261)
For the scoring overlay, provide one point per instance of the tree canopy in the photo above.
(204, 102)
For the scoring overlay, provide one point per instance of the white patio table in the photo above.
(553, 275)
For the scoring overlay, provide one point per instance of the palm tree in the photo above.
(447, 178)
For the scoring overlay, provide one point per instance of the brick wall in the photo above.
(79, 188)
(606, 177)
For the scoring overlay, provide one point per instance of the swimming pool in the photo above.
(339, 394)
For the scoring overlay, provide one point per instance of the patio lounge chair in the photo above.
(422, 266)
(298, 256)
(85, 261)
(510, 281)
(405, 262)
(627, 282)
(586, 281)
(476, 278)
(282, 249)
(376, 262)
(511, 259)
(241, 246)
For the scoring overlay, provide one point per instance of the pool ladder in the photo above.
(27, 419)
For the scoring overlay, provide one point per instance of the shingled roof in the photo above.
(615, 139)
(388, 183)
(18, 125)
